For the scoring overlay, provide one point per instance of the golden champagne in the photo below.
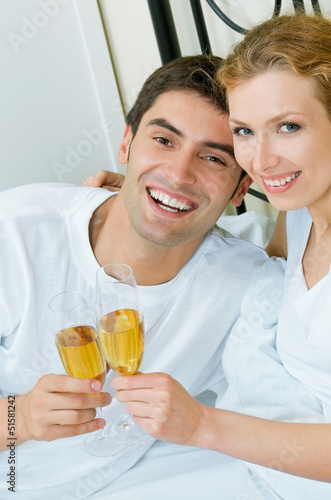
(121, 335)
(80, 353)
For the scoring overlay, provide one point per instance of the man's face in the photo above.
(181, 171)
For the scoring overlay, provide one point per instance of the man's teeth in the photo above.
(281, 182)
(168, 203)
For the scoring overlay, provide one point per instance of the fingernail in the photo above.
(101, 423)
(113, 382)
(96, 386)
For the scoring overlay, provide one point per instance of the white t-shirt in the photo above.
(304, 330)
(283, 371)
(45, 249)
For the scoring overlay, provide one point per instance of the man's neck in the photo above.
(114, 240)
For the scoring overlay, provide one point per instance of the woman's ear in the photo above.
(125, 146)
(241, 190)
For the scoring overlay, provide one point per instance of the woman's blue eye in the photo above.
(242, 131)
(289, 127)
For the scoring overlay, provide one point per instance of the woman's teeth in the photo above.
(281, 182)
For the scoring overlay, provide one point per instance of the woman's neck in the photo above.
(317, 257)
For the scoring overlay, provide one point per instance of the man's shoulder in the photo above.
(42, 199)
(224, 242)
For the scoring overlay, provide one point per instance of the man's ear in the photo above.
(125, 146)
(241, 190)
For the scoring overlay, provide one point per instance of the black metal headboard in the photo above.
(169, 47)
(165, 30)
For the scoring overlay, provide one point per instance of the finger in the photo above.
(99, 179)
(143, 410)
(147, 396)
(148, 425)
(140, 380)
(65, 383)
(104, 178)
(71, 417)
(70, 401)
(89, 181)
(111, 188)
(154, 428)
(107, 178)
(63, 431)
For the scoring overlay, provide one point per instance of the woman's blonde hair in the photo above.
(297, 43)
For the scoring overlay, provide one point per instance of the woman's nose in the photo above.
(264, 155)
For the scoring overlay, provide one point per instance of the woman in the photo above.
(278, 82)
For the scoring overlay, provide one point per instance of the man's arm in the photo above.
(162, 407)
(277, 245)
(58, 406)
(103, 178)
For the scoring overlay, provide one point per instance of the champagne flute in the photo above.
(78, 344)
(121, 334)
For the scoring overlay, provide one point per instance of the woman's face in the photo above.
(282, 138)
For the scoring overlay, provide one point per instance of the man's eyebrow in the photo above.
(226, 148)
(161, 122)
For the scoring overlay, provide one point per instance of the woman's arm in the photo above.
(277, 246)
(163, 408)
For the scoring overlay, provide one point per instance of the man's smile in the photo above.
(169, 203)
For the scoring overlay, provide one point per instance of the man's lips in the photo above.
(170, 203)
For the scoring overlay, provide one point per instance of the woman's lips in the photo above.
(279, 184)
(280, 181)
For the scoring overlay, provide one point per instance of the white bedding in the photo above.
(171, 472)
(249, 226)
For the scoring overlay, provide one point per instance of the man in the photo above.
(181, 174)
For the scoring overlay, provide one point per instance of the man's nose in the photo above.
(182, 169)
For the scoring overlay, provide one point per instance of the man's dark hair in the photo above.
(192, 73)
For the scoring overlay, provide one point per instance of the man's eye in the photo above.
(163, 140)
(242, 131)
(214, 159)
